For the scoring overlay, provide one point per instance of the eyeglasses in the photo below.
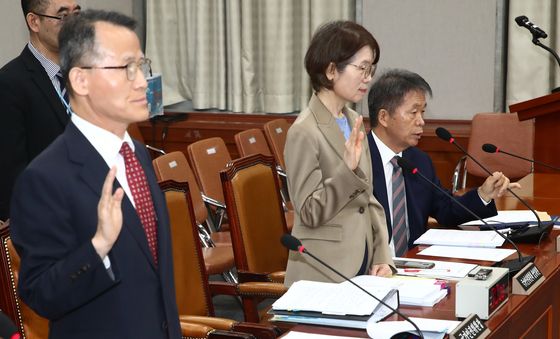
(144, 65)
(366, 69)
(61, 17)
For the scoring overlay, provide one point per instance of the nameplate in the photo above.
(527, 280)
(471, 328)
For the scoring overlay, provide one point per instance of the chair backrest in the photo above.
(255, 212)
(191, 281)
(506, 132)
(276, 131)
(174, 166)
(30, 324)
(251, 141)
(207, 158)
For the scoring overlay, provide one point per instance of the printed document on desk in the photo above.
(480, 253)
(511, 216)
(431, 328)
(333, 304)
(460, 238)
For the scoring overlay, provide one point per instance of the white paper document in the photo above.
(460, 238)
(431, 328)
(511, 216)
(475, 253)
(442, 269)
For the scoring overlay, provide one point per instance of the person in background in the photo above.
(32, 113)
(327, 162)
(397, 102)
(96, 256)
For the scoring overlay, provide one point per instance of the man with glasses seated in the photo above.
(88, 218)
(33, 113)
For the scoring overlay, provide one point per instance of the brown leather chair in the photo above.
(505, 131)
(191, 281)
(257, 221)
(30, 324)
(218, 252)
(275, 132)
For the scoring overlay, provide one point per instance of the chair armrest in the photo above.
(260, 331)
(218, 334)
(222, 288)
(192, 330)
(212, 322)
(261, 289)
(277, 277)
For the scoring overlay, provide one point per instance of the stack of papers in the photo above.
(412, 291)
(334, 304)
(460, 238)
(514, 216)
(431, 328)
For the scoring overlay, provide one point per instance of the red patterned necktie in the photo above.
(142, 197)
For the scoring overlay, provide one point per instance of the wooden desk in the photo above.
(535, 316)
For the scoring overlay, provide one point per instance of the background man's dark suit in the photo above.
(62, 276)
(422, 200)
(31, 117)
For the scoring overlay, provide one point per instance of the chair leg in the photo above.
(250, 309)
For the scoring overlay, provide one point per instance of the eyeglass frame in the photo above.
(60, 18)
(130, 73)
(363, 68)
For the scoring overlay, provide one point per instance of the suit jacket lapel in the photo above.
(328, 126)
(44, 85)
(379, 185)
(93, 171)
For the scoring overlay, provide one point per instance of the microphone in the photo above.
(514, 265)
(490, 148)
(294, 244)
(8, 329)
(531, 234)
(523, 21)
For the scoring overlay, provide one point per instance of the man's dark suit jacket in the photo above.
(54, 217)
(31, 117)
(423, 200)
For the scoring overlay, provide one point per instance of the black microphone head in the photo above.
(520, 20)
(444, 134)
(290, 242)
(405, 165)
(489, 148)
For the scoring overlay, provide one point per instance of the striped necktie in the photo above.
(400, 229)
(62, 83)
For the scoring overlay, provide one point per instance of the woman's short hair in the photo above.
(336, 42)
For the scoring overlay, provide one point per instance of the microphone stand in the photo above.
(513, 265)
(489, 148)
(537, 42)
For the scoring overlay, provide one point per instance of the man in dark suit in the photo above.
(32, 113)
(397, 102)
(96, 257)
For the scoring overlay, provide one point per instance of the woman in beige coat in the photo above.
(328, 163)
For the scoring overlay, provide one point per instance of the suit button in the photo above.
(361, 210)
(164, 325)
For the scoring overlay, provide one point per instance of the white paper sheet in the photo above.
(460, 238)
(511, 216)
(431, 328)
(476, 253)
(303, 335)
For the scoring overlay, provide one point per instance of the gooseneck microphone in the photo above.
(490, 148)
(531, 234)
(514, 265)
(293, 244)
(523, 21)
(537, 33)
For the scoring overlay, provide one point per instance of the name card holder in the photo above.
(470, 328)
(527, 280)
